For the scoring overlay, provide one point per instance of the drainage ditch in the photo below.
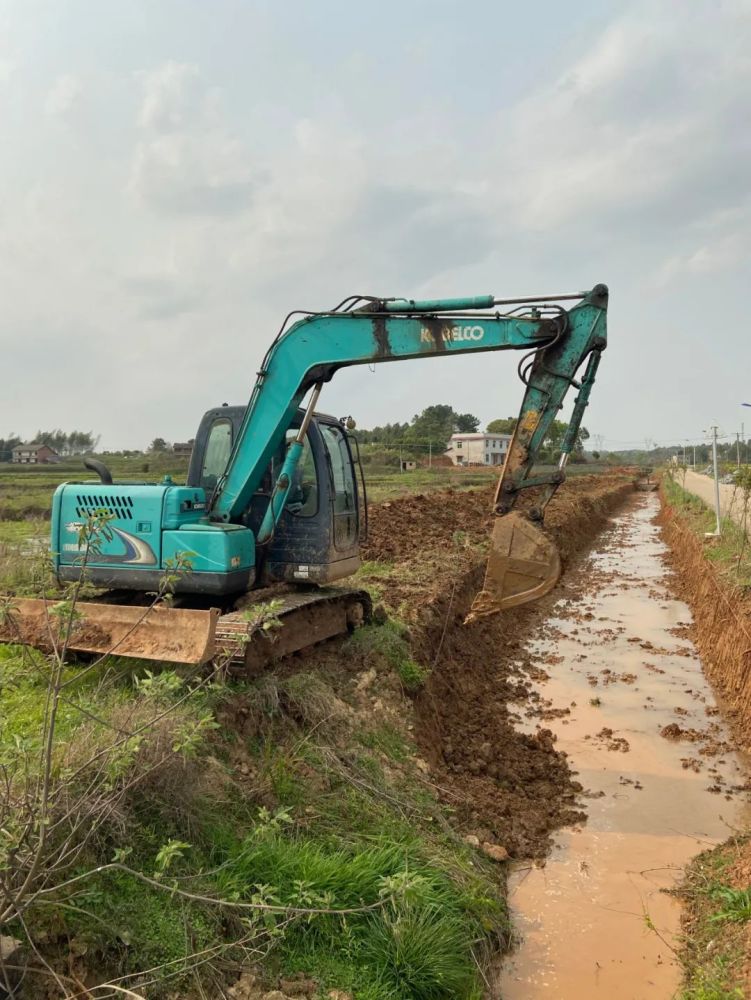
(615, 684)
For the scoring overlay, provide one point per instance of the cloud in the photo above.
(187, 161)
(163, 295)
(63, 96)
(723, 245)
(174, 96)
(643, 128)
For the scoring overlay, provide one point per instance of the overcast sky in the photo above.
(176, 175)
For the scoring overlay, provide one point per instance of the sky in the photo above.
(177, 175)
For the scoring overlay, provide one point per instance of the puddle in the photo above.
(594, 921)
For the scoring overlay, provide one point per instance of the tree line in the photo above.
(434, 426)
(62, 442)
(431, 431)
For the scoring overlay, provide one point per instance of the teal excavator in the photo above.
(272, 506)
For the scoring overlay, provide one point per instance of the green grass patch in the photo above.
(303, 805)
(412, 930)
(391, 642)
(731, 552)
(713, 952)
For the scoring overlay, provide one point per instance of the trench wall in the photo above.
(513, 787)
(722, 619)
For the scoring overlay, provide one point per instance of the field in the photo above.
(26, 490)
(340, 825)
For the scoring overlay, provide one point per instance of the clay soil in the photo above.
(721, 629)
(505, 787)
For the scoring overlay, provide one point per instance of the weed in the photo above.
(713, 954)
(390, 641)
(414, 941)
(736, 904)
(730, 552)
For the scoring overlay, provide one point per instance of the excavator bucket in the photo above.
(523, 565)
(174, 635)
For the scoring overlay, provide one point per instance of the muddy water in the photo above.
(594, 921)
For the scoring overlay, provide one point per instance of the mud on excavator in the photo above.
(272, 507)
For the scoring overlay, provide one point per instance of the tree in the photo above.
(73, 443)
(430, 429)
(553, 439)
(466, 423)
(7, 445)
(158, 444)
(437, 423)
(501, 426)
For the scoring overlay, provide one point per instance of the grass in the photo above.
(332, 816)
(731, 552)
(416, 940)
(714, 949)
(390, 643)
(26, 490)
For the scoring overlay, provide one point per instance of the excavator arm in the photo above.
(523, 563)
(313, 349)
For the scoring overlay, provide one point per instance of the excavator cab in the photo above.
(317, 537)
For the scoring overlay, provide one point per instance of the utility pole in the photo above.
(694, 462)
(738, 450)
(430, 454)
(716, 533)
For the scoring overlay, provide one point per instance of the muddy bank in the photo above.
(506, 787)
(721, 629)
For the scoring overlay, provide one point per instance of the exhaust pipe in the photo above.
(100, 468)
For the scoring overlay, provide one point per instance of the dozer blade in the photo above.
(176, 635)
(523, 565)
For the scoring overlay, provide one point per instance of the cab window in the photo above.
(217, 453)
(345, 495)
(303, 497)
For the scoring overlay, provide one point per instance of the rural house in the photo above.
(478, 449)
(34, 454)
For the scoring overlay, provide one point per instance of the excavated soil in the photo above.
(721, 629)
(506, 787)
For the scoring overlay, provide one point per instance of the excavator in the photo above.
(270, 515)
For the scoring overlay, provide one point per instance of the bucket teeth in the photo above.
(523, 564)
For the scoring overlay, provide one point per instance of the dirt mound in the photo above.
(505, 786)
(401, 529)
(404, 528)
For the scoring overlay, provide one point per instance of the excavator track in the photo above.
(274, 623)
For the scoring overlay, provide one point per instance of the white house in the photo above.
(478, 449)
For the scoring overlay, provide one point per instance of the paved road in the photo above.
(731, 498)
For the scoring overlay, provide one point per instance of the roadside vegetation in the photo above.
(164, 829)
(718, 909)
(731, 552)
(715, 891)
